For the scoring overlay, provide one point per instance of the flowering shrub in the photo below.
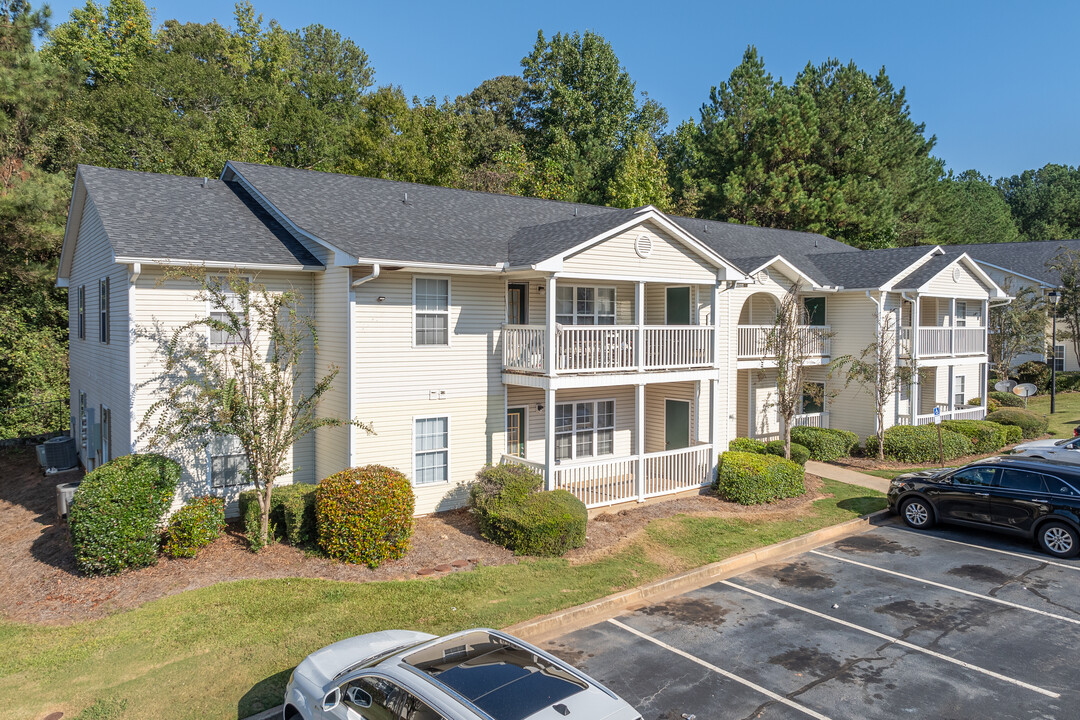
(199, 523)
(116, 514)
(364, 515)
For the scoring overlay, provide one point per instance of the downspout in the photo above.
(136, 271)
(350, 354)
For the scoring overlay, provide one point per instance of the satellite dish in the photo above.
(1005, 386)
(1025, 390)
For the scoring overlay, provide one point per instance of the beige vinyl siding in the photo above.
(394, 381)
(98, 369)
(728, 412)
(967, 286)
(743, 399)
(623, 395)
(852, 317)
(331, 320)
(656, 396)
(617, 256)
(162, 306)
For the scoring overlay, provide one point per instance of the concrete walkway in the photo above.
(852, 477)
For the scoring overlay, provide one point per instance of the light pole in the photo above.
(1055, 298)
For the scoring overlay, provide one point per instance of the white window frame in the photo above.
(227, 452)
(594, 429)
(104, 310)
(80, 320)
(959, 391)
(961, 313)
(824, 389)
(211, 309)
(415, 451)
(416, 312)
(595, 316)
(1059, 357)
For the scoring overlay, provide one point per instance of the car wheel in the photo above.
(917, 513)
(1059, 540)
(292, 713)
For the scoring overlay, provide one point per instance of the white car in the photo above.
(472, 675)
(1066, 450)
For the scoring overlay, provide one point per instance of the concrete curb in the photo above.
(543, 628)
(557, 623)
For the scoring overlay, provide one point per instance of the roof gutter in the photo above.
(375, 270)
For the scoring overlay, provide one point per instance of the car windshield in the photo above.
(506, 681)
(1066, 441)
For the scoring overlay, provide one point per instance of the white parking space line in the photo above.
(894, 640)
(720, 671)
(1033, 558)
(981, 596)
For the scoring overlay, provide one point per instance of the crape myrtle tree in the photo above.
(791, 341)
(1016, 328)
(237, 373)
(877, 372)
(1067, 265)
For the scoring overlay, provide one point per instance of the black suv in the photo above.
(1037, 499)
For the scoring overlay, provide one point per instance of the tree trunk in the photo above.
(264, 520)
(881, 435)
(787, 438)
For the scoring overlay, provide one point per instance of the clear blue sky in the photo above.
(996, 82)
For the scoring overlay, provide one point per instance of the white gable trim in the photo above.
(555, 262)
(71, 230)
(980, 274)
(340, 256)
(781, 260)
(1037, 281)
(933, 252)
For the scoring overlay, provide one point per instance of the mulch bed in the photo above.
(41, 584)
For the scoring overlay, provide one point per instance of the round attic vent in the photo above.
(956, 273)
(643, 246)
(763, 276)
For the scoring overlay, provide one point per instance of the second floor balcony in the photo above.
(608, 348)
(942, 341)
(754, 341)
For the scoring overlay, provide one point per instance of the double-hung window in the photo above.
(813, 398)
(81, 321)
(431, 442)
(959, 396)
(585, 305)
(584, 429)
(222, 335)
(431, 307)
(1059, 358)
(103, 310)
(228, 463)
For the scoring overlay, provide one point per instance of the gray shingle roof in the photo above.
(533, 244)
(926, 272)
(863, 268)
(1027, 258)
(147, 215)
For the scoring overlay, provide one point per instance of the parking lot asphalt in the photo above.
(892, 623)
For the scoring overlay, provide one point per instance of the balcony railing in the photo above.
(817, 420)
(945, 342)
(753, 341)
(609, 348)
(967, 413)
(614, 480)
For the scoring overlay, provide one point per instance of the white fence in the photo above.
(753, 340)
(609, 348)
(817, 420)
(973, 413)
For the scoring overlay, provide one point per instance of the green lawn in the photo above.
(227, 650)
(1068, 412)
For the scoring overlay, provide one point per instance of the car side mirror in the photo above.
(331, 700)
(358, 697)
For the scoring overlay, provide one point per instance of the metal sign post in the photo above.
(940, 443)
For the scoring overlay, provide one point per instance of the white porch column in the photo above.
(639, 315)
(549, 438)
(639, 436)
(949, 401)
(549, 334)
(984, 380)
(986, 338)
(952, 332)
(715, 317)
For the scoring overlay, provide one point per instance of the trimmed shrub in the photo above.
(919, 444)
(752, 479)
(1068, 381)
(116, 515)
(1013, 433)
(799, 453)
(745, 444)
(1007, 399)
(292, 514)
(825, 444)
(1035, 372)
(511, 510)
(199, 523)
(992, 404)
(1031, 424)
(364, 515)
(985, 436)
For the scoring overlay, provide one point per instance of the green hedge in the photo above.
(825, 444)
(745, 444)
(1068, 381)
(511, 510)
(986, 437)
(799, 453)
(1007, 399)
(919, 444)
(292, 514)
(116, 515)
(194, 526)
(1013, 433)
(751, 479)
(1035, 372)
(365, 514)
(1032, 425)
